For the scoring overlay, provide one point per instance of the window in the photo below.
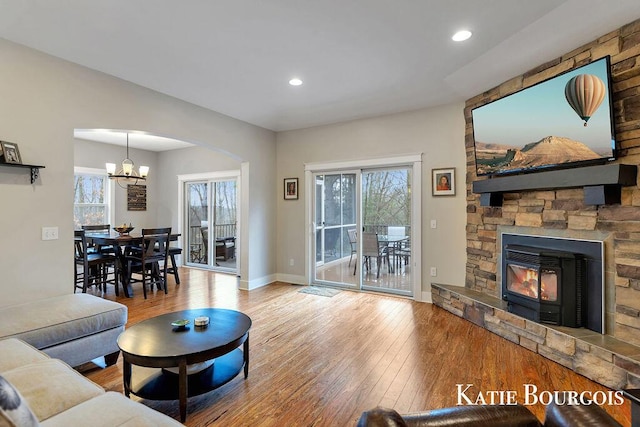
(92, 203)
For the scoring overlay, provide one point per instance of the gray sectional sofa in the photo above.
(40, 341)
(75, 328)
(38, 390)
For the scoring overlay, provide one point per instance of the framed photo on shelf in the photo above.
(443, 182)
(291, 188)
(10, 153)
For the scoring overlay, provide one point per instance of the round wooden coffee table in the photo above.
(205, 357)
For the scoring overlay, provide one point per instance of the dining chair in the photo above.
(95, 266)
(173, 267)
(150, 259)
(371, 248)
(205, 242)
(353, 241)
(100, 228)
(395, 236)
(403, 253)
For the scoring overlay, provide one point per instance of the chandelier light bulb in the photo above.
(127, 167)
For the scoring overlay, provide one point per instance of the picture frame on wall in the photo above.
(136, 197)
(10, 153)
(291, 188)
(443, 181)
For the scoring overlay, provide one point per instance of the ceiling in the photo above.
(135, 139)
(357, 58)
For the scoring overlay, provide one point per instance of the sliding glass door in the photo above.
(335, 214)
(387, 220)
(211, 224)
(362, 229)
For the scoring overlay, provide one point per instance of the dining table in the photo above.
(388, 241)
(120, 242)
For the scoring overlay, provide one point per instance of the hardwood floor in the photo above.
(341, 271)
(320, 361)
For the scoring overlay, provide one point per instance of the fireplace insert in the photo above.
(546, 286)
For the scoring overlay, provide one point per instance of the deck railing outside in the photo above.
(196, 245)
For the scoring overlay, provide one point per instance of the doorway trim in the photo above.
(416, 206)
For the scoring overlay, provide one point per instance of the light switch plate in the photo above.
(49, 233)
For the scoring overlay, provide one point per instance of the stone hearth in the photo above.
(601, 358)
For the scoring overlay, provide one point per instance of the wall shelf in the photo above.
(35, 169)
(602, 183)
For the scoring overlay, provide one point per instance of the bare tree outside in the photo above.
(89, 205)
(386, 199)
(223, 209)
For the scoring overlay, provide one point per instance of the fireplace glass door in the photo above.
(539, 284)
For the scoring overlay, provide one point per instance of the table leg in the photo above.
(182, 389)
(245, 354)
(126, 373)
(122, 268)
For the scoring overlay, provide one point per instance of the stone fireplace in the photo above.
(568, 212)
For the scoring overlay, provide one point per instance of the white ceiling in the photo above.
(136, 139)
(357, 58)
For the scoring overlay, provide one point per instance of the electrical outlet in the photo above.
(49, 233)
(291, 262)
(434, 272)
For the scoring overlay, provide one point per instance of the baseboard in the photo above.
(257, 283)
(294, 279)
(426, 297)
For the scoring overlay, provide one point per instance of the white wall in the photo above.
(43, 100)
(438, 133)
(185, 161)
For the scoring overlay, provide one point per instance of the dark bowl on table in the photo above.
(123, 230)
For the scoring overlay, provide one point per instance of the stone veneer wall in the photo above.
(563, 211)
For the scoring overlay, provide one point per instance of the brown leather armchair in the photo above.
(491, 416)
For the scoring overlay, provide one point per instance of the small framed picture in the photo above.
(291, 188)
(444, 182)
(10, 153)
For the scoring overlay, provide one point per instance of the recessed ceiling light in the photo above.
(461, 36)
(295, 82)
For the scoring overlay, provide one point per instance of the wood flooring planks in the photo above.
(320, 361)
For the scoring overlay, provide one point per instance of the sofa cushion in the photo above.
(109, 410)
(20, 353)
(53, 321)
(14, 410)
(51, 387)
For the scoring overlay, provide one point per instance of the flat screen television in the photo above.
(561, 122)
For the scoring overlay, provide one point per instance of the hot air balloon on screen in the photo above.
(585, 93)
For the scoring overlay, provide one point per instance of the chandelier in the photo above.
(127, 174)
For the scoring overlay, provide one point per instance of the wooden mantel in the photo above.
(602, 183)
